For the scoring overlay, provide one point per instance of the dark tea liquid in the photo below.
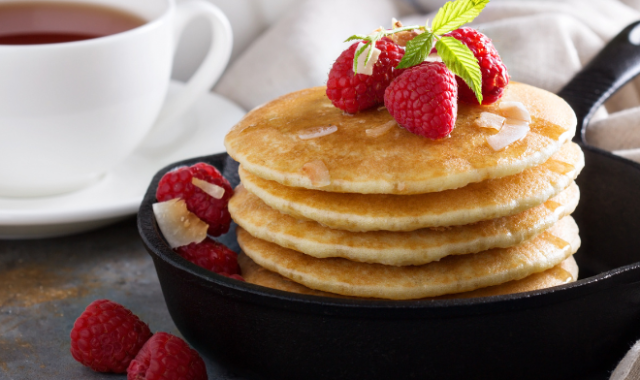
(30, 23)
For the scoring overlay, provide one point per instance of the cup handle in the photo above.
(207, 73)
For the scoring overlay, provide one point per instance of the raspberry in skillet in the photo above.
(355, 92)
(212, 256)
(423, 100)
(107, 336)
(167, 357)
(494, 72)
(179, 183)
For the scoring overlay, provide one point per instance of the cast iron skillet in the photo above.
(579, 330)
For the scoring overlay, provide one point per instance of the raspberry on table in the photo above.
(178, 184)
(107, 336)
(356, 92)
(213, 256)
(423, 100)
(494, 72)
(167, 357)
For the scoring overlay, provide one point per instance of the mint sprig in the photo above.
(417, 50)
(455, 55)
(454, 14)
(372, 39)
(461, 61)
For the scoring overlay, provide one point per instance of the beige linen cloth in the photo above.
(543, 43)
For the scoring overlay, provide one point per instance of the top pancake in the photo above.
(267, 144)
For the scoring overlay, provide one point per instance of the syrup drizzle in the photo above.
(559, 243)
(561, 274)
(559, 166)
(546, 128)
(551, 205)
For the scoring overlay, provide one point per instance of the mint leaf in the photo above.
(417, 50)
(356, 37)
(454, 14)
(357, 55)
(461, 61)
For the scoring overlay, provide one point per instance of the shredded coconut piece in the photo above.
(381, 129)
(402, 38)
(212, 189)
(433, 57)
(382, 108)
(313, 132)
(317, 172)
(512, 131)
(515, 110)
(490, 120)
(178, 225)
(379, 29)
(368, 68)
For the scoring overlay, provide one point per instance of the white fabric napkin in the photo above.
(543, 43)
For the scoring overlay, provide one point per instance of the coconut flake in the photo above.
(490, 120)
(515, 110)
(433, 57)
(376, 31)
(177, 224)
(381, 129)
(313, 132)
(317, 172)
(210, 188)
(368, 68)
(512, 131)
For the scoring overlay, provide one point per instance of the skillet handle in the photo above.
(613, 67)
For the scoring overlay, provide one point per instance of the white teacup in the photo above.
(71, 111)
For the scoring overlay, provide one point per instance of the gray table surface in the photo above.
(46, 284)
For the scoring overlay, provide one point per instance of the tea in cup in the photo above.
(83, 82)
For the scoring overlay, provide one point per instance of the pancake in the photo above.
(267, 143)
(396, 248)
(563, 273)
(452, 274)
(476, 202)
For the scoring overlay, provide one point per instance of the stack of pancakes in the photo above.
(354, 205)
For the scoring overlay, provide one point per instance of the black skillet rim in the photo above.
(157, 246)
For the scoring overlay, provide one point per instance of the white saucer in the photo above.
(119, 192)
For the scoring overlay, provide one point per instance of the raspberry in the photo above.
(353, 93)
(107, 336)
(494, 72)
(212, 256)
(167, 357)
(423, 100)
(214, 212)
